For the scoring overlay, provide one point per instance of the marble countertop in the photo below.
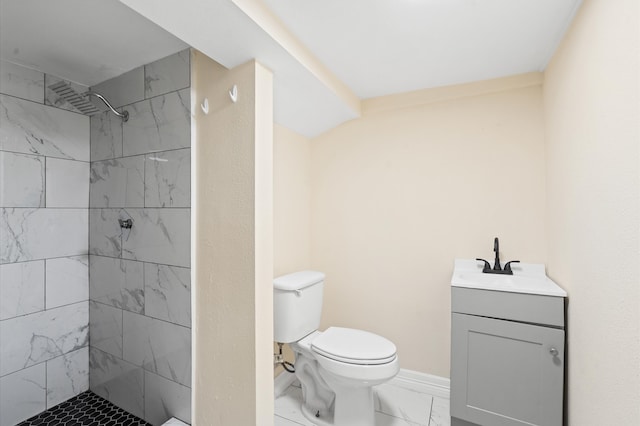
(529, 278)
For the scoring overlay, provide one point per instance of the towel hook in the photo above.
(233, 93)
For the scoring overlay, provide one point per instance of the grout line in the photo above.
(59, 208)
(44, 287)
(143, 154)
(45, 182)
(140, 261)
(110, 355)
(48, 310)
(431, 410)
(48, 258)
(36, 154)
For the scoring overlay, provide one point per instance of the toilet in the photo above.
(338, 367)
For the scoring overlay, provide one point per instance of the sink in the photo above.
(527, 278)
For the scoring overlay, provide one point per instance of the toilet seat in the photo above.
(353, 346)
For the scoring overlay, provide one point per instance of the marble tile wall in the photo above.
(140, 279)
(44, 262)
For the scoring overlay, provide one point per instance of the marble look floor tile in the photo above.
(440, 415)
(382, 419)
(406, 404)
(67, 183)
(164, 399)
(167, 74)
(160, 236)
(281, 421)
(22, 82)
(21, 180)
(52, 98)
(117, 282)
(22, 394)
(105, 234)
(41, 336)
(118, 182)
(67, 280)
(174, 422)
(30, 234)
(106, 136)
(158, 124)
(124, 89)
(116, 380)
(288, 406)
(160, 347)
(168, 293)
(33, 128)
(67, 376)
(168, 179)
(105, 328)
(21, 288)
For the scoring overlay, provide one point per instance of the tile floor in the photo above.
(85, 409)
(395, 406)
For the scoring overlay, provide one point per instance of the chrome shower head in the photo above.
(81, 101)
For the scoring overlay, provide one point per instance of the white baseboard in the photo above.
(408, 379)
(282, 382)
(422, 382)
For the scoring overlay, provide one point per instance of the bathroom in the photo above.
(566, 195)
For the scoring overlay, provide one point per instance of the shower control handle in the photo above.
(125, 224)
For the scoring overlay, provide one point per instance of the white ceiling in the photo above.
(85, 41)
(375, 47)
(381, 47)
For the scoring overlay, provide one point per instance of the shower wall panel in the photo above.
(44, 200)
(140, 284)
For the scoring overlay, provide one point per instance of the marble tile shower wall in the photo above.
(140, 288)
(44, 287)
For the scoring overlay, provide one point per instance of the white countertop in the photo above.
(529, 278)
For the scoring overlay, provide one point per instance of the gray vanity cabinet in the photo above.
(507, 358)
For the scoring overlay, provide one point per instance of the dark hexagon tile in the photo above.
(85, 409)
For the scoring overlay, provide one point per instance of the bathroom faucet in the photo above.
(496, 248)
(497, 268)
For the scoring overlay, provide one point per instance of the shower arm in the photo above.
(124, 115)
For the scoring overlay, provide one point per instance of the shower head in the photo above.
(81, 101)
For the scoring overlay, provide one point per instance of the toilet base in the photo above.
(354, 408)
(343, 397)
(354, 405)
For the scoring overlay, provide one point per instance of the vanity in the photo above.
(507, 347)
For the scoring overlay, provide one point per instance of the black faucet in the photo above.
(497, 268)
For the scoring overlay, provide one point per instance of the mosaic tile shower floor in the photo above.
(86, 409)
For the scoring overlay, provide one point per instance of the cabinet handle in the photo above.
(553, 352)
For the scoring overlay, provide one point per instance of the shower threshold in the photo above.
(85, 409)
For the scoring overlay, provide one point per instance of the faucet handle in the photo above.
(507, 267)
(487, 266)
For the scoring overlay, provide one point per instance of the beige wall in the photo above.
(291, 207)
(291, 201)
(398, 194)
(233, 245)
(592, 116)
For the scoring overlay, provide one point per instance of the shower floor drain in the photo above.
(86, 409)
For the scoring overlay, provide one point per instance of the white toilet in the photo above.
(336, 368)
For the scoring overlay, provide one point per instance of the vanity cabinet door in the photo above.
(506, 373)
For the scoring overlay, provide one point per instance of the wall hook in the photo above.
(233, 93)
(205, 106)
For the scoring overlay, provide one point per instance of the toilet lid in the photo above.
(354, 346)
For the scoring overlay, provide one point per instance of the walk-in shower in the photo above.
(95, 279)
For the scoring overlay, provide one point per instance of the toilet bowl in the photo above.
(337, 368)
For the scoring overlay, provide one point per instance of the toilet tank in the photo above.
(297, 305)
